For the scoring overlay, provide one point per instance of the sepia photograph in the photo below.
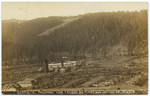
(74, 48)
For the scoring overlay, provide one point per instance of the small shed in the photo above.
(26, 83)
(11, 87)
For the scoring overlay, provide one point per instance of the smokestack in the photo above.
(46, 66)
(62, 62)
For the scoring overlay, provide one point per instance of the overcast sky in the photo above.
(26, 11)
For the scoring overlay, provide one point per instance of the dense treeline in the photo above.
(101, 30)
(19, 37)
(88, 34)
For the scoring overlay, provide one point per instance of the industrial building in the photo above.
(59, 67)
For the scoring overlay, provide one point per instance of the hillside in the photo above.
(21, 30)
(102, 31)
(87, 35)
(50, 30)
(18, 35)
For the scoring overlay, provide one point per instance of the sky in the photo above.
(32, 10)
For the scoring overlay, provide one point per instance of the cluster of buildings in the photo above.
(28, 82)
(59, 67)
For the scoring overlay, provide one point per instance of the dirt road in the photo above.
(48, 31)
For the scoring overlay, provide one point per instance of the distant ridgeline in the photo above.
(96, 34)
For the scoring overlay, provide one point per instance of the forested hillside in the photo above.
(87, 35)
(18, 36)
(102, 30)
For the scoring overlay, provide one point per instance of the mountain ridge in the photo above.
(86, 35)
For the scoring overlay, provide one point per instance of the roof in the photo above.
(66, 64)
(26, 81)
(70, 63)
(8, 86)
